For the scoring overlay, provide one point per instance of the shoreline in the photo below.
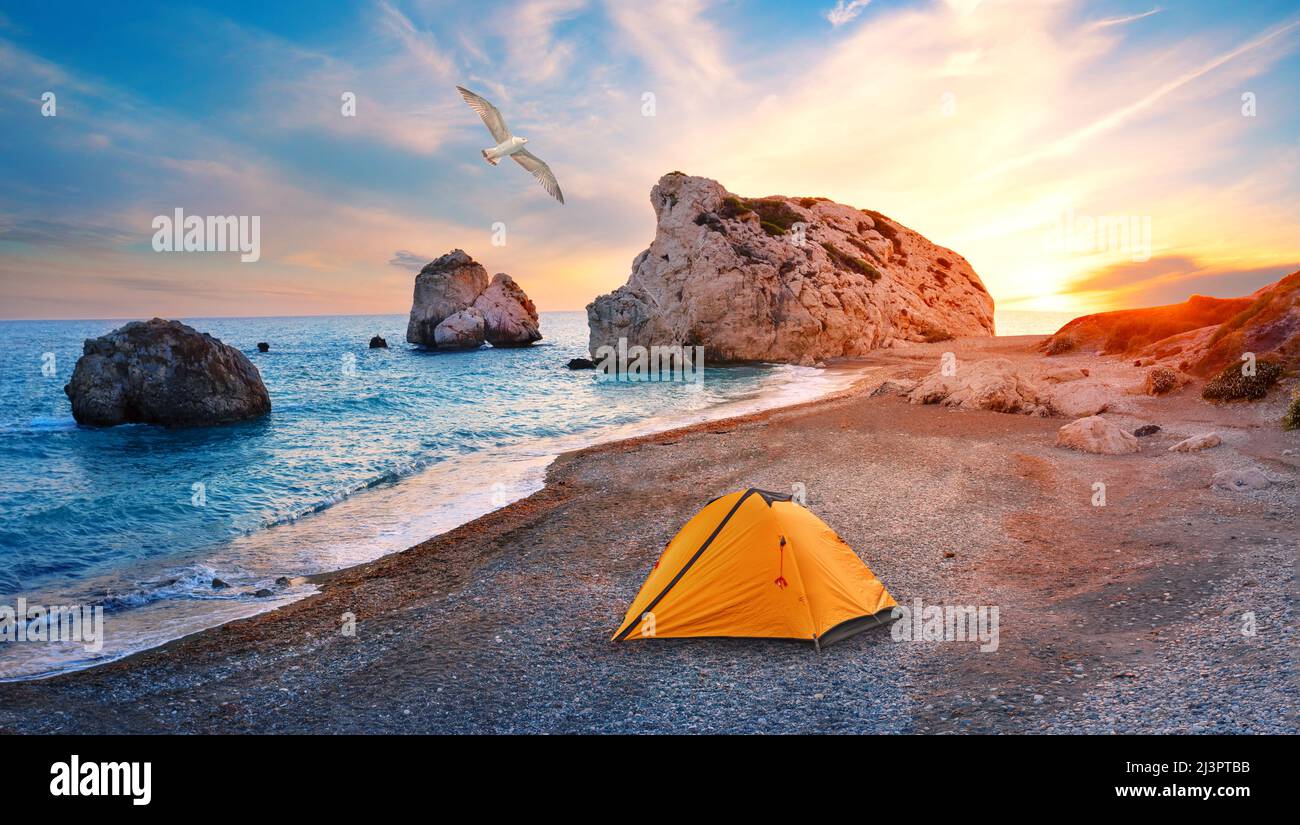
(536, 458)
(516, 601)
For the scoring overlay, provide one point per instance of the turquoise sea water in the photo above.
(365, 453)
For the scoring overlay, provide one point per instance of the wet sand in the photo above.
(1124, 618)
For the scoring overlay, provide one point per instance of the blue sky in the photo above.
(980, 124)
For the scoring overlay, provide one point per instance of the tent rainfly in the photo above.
(759, 565)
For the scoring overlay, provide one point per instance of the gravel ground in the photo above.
(1123, 618)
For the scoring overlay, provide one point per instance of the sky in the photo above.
(1082, 156)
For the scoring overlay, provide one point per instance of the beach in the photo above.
(1125, 618)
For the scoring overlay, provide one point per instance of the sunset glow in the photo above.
(983, 125)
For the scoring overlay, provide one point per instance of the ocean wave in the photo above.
(40, 424)
(193, 583)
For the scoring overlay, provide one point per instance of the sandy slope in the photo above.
(1122, 618)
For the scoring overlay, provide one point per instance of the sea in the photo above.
(366, 452)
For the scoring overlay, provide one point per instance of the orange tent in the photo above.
(757, 564)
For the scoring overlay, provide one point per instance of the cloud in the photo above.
(1120, 21)
(677, 43)
(846, 12)
(529, 29)
(417, 43)
(1172, 279)
(403, 259)
(1075, 141)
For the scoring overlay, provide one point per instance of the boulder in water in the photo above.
(443, 288)
(378, 343)
(164, 372)
(509, 316)
(460, 330)
(455, 283)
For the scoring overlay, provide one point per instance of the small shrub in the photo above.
(1231, 385)
(1058, 344)
(1291, 421)
(851, 263)
(733, 207)
(776, 212)
(1161, 380)
(771, 228)
(807, 203)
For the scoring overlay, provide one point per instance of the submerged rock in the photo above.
(378, 343)
(785, 279)
(262, 346)
(581, 364)
(164, 372)
(1095, 434)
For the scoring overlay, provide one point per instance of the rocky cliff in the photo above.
(785, 279)
(1201, 336)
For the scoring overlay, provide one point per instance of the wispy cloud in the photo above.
(420, 44)
(846, 12)
(1076, 140)
(1120, 21)
(404, 259)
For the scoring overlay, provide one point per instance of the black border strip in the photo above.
(648, 608)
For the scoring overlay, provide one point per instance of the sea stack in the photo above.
(164, 372)
(785, 279)
(454, 290)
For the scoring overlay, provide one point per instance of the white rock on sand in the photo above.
(1239, 480)
(1095, 434)
(1079, 399)
(1197, 443)
(785, 279)
(990, 384)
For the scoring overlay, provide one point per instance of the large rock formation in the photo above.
(785, 279)
(443, 288)
(509, 317)
(1201, 336)
(164, 372)
(455, 283)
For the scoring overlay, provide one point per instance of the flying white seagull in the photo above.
(509, 145)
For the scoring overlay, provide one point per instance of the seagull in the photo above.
(509, 145)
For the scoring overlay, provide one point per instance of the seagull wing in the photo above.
(491, 117)
(541, 171)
